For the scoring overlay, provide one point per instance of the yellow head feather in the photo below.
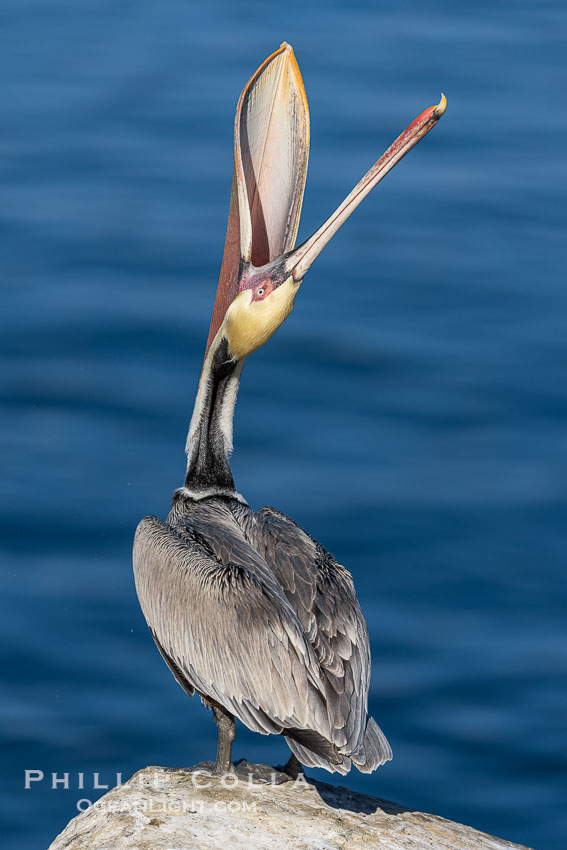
(248, 324)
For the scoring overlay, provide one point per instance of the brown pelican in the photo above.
(245, 607)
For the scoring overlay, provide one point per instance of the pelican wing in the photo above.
(322, 594)
(228, 634)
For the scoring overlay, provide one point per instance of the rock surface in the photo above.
(175, 809)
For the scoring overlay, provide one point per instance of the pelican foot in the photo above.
(210, 768)
(252, 774)
(260, 774)
(293, 767)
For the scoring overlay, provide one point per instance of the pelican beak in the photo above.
(299, 261)
(271, 151)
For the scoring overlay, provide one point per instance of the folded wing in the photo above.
(226, 633)
(322, 594)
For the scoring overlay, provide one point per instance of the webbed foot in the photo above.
(211, 768)
(260, 774)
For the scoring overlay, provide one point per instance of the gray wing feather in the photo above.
(205, 615)
(322, 594)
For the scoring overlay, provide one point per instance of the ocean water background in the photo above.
(411, 413)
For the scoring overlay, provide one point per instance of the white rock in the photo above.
(170, 809)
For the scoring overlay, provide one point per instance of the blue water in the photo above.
(411, 413)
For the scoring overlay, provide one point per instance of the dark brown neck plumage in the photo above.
(210, 434)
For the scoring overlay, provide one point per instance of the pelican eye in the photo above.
(263, 290)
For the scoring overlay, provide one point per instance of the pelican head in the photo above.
(262, 271)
